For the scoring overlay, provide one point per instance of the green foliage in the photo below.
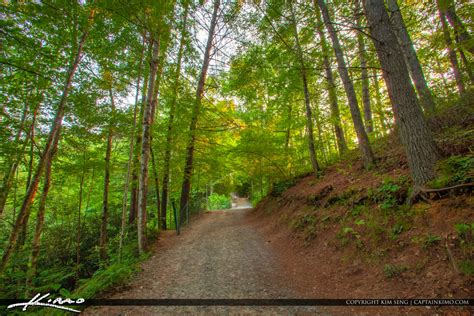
(252, 134)
(106, 278)
(301, 222)
(431, 240)
(454, 170)
(256, 197)
(391, 193)
(396, 230)
(244, 189)
(348, 234)
(218, 202)
(357, 210)
(393, 270)
(467, 267)
(465, 231)
(282, 186)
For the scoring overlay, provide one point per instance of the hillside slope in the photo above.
(353, 234)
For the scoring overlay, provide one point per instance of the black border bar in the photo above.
(265, 302)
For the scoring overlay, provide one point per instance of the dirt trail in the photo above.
(220, 255)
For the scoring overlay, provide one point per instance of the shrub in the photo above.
(393, 270)
(431, 240)
(218, 202)
(467, 267)
(391, 193)
(282, 186)
(454, 170)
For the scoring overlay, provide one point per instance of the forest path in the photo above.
(219, 255)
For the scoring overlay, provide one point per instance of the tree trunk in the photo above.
(451, 53)
(307, 98)
(35, 248)
(145, 145)
(79, 228)
(11, 170)
(157, 188)
(333, 103)
(461, 34)
(414, 133)
(188, 166)
(130, 153)
(467, 65)
(136, 158)
(31, 138)
(105, 200)
(169, 134)
(410, 56)
(440, 71)
(363, 70)
(364, 145)
(379, 105)
(46, 156)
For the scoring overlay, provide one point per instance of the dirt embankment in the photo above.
(350, 234)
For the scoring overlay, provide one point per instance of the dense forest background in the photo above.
(121, 118)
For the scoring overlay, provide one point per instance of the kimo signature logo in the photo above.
(44, 301)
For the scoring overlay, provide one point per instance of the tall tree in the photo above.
(421, 151)
(332, 91)
(131, 150)
(188, 166)
(172, 113)
(307, 98)
(105, 200)
(451, 53)
(11, 169)
(35, 249)
(378, 102)
(461, 34)
(410, 56)
(145, 143)
(45, 157)
(364, 145)
(363, 70)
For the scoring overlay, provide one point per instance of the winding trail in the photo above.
(219, 255)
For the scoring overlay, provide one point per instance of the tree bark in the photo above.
(467, 65)
(157, 188)
(421, 151)
(105, 200)
(307, 98)
(379, 105)
(169, 134)
(188, 166)
(333, 103)
(145, 144)
(130, 152)
(461, 34)
(45, 157)
(369, 127)
(79, 227)
(11, 170)
(136, 157)
(35, 248)
(451, 53)
(31, 138)
(410, 56)
(364, 145)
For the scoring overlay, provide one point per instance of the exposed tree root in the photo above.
(428, 195)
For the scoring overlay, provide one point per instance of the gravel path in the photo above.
(220, 255)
